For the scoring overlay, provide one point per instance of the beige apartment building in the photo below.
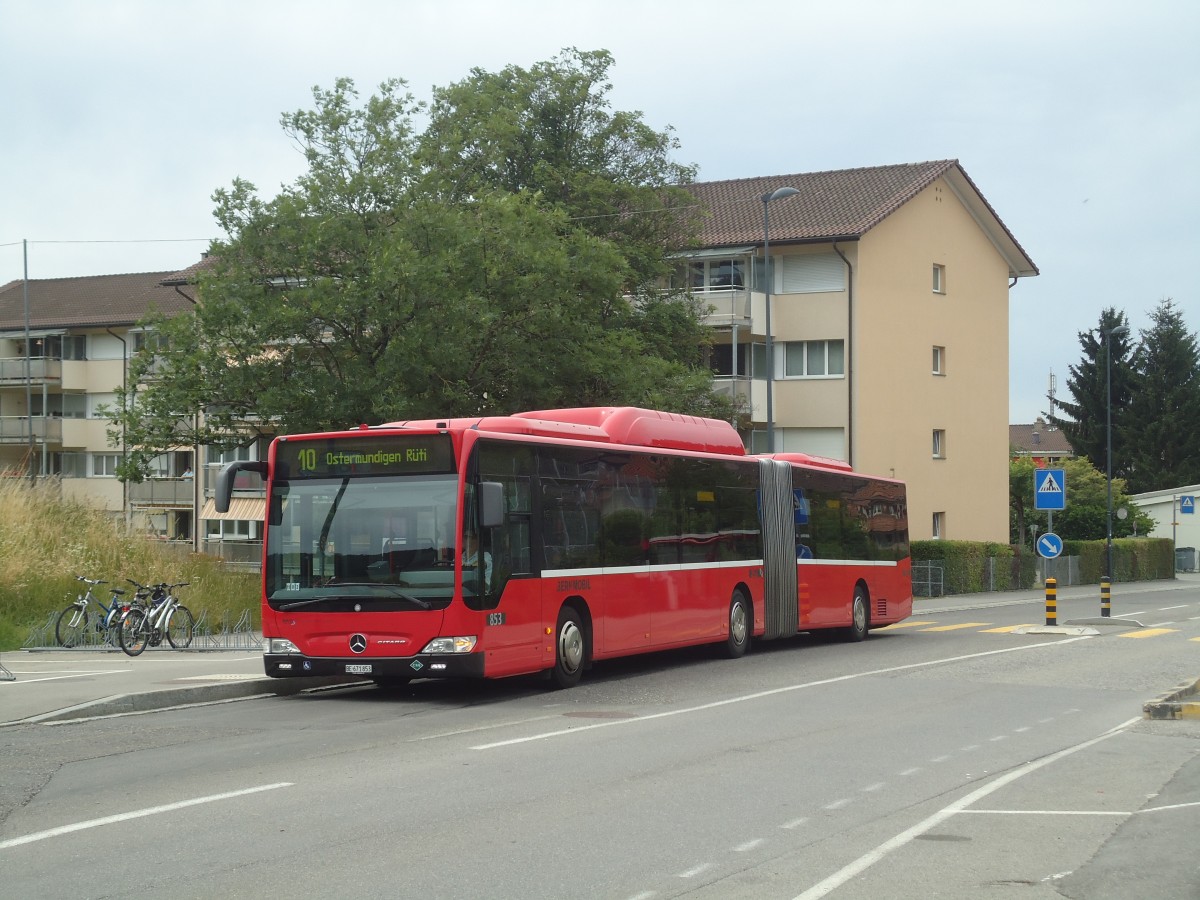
(889, 323)
(81, 334)
(888, 293)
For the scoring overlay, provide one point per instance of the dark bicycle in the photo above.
(80, 620)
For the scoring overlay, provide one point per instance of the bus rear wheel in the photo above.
(570, 649)
(860, 617)
(741, 619)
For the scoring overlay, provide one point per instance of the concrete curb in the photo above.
(1175, 704)
(242, 689)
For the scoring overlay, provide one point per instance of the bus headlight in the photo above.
(462, 644)
(279, 646)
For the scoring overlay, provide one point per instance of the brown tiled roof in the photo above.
(1050, 441)
(93, 300)
(843, 204)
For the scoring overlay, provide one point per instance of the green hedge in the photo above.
(967, 567)
(973, 566)
(1134, 559)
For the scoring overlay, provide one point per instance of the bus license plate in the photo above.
(358, 668)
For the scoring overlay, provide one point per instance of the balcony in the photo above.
(727, 307)
(168, 493)
(41, 371)
(15, 429)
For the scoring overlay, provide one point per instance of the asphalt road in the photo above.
(957, 756)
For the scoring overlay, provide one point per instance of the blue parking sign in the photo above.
(1050, 489)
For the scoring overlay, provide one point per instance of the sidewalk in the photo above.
(58, 685)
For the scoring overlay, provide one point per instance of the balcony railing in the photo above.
(727, 306)
(239, 554)
(12, 370)
(15, 429)
(166, 492)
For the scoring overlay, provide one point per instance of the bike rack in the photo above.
(236, 636)
(6, 675)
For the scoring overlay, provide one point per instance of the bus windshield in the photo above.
(336, 542)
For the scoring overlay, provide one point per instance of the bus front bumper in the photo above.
(458, 665)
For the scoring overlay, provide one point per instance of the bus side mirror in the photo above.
(228, 475)
(491, 504)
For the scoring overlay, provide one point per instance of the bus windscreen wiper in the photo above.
(392, 589)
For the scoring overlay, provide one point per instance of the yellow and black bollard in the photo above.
(1051, 601)
(1105, 597)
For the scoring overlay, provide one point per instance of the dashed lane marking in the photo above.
(1147, 632)
(958, 627)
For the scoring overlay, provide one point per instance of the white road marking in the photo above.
(749, 845)
(717, 704)
(864, 862)
(24, 680)
(695, 870)
(137, 814)
(794, 823)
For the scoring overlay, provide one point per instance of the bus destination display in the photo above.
(430, 454)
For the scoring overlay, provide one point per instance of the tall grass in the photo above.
(45, 541)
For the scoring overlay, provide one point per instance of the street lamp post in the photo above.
(766, 202)
(1119, 329)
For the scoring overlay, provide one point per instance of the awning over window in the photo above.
(718, 253)
(19, 335)
(249, 509)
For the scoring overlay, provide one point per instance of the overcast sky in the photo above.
(1079, 120)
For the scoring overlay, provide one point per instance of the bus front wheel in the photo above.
(570, 649)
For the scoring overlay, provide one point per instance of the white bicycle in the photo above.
(145, 626)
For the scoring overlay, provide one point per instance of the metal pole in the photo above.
(28, 364)
(1118, 329)
(1108, 453)
(770, 276)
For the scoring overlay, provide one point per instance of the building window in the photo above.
(813, 273)
(224, 457)
(60, 406)
(104, 465)
(939, 279)
(714, 274)
(939, 444)
(939, 360)
(728, 361)
(812, 359)
(939, 525)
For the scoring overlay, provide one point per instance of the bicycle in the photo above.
(73, 622)
(145, 626)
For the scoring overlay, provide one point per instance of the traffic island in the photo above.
(1180, 703)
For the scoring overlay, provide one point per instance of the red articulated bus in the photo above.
(544, 541)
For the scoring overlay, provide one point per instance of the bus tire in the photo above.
(860, 616)
(741, 625)
(570, 649)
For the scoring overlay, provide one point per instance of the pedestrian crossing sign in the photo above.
(1187, 504)
(1050, 489)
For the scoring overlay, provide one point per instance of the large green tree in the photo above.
(1159, 430)
(1084, 418)
(483, 266)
